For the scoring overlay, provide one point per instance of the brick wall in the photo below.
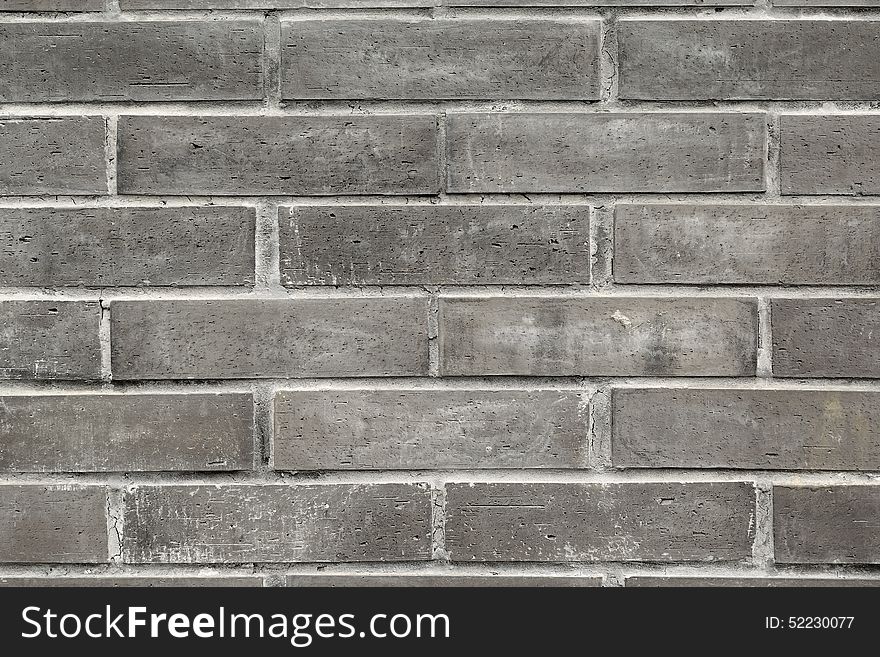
(378, 291)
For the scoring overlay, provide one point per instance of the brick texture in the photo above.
(829, 524)
(129, 61)
(210, 524)
(521, 293)
(423, 59)
(597, 337)
(599, 522)
(746, 429)
(236, 339)
(419, 430)
(435, 245)
(100, 433)
(185, 246)
(60, 524)
(724, 59)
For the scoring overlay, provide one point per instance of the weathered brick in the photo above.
(752, 429)
(278, 155)
(100, 433)
(632, 152)
(600, 522)
(751, 582)
(61, 524)
(830, 154)
(255, 338)
(57, 155)
(103, 247)
(270, 4)
(747, 244)
(826, 524)
(826, 3)
(425, 429)
(591, 3)
(435, 245)
(54, 62)
(826, 337)
(370, 4)
(439, 58)
(743, 59)
(269, 523)
(50, 340)
(624, 336)
(52, 5)
(442, 581)
(134, 581)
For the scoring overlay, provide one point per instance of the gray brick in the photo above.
(254, 338)
(439, 58)
(269, 523)
(592, 3)
(132, 433)
(632, 152)
(134, 581)
(441, 581)
(830, 154)
(129, 61)
(58, 155)
(624, 336)
(52, 5)
(278, 155)
(60, 524)
(429, 429)
(435, 245)
(600, 522)
(742, 59)
(104, 247)
(270, 4)
(747, 244)
(827, 524)
(369, 4)
(751, 429)
(751, 582)
(50, 340)
(826, 337)
(826, 3)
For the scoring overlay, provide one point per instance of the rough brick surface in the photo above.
(435, 245)
(826, 524)
(744, 59)
(235, 339)
(751, 582)
(138, 581)
(751, 429)
(278, 155)
(216, 524)
(52, 5)
(63, 524)
(287, 285)
(50, 340)
(600, 522)
(53, 62)
(833, 154)
(826, 337)
(101, 433)
(162, 246)
(52, 155)
(632, 152)
(440, 581)
(423, 59)
(429, 429)
(747, 244)
(626, 336)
